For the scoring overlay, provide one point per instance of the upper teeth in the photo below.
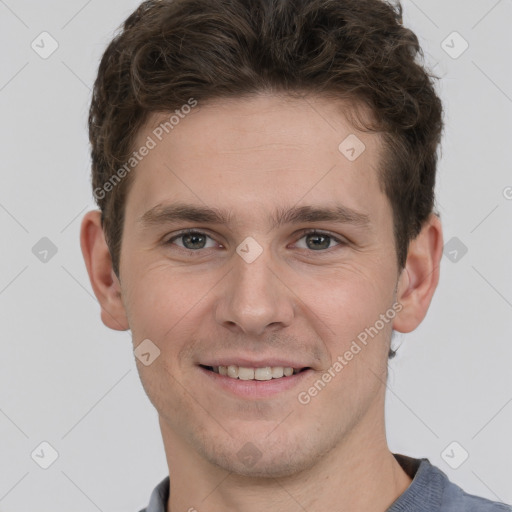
(243, 373)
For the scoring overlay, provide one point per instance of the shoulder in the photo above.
(455, 499)
(432, 491)
(159, 497)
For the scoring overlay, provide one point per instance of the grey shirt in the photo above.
(429, 491)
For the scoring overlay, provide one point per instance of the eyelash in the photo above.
(302, 234)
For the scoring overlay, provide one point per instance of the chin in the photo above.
(270, 457)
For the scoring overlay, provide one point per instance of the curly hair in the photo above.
(169, 51)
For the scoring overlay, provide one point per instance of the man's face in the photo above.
(204, 300)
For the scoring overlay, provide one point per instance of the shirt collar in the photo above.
(423, 494)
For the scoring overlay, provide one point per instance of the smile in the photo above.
(255, 383)
(264, 373)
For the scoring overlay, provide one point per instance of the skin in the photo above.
(251, 156)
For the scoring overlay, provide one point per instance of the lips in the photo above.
(254, 383)
(254, 373)
(247, 362)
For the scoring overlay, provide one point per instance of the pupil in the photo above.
(193, 236)
(318, 245)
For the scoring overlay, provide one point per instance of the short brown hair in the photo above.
(169, 51)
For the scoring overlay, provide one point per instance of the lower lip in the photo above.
(256, 388)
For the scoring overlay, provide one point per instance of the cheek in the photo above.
(161, 299)
(164, 301)
(347, 301)
(346, 312)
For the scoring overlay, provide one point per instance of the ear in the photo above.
(98, 261)
(420, 276)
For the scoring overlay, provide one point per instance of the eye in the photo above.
(191, 240)
(194, 240)
(318, 240)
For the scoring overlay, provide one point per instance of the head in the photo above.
(245, 110)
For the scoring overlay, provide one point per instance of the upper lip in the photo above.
(254, 363)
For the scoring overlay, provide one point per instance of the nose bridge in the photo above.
(254, 296)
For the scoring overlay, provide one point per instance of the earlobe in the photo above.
(418, 280)
(104, 282)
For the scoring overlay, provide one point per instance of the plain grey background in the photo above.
(67, 380)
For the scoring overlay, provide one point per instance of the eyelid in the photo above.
(315, 231)
(298, 236)
(187, 231)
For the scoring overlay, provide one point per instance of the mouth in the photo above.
(255, 374)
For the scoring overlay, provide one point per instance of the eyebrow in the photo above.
(162, 214)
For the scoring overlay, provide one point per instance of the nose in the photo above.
(254, 298)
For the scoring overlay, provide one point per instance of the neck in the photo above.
(359, 474)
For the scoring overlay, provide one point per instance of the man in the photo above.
(265, 173)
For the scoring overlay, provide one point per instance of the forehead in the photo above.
(258, 152)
